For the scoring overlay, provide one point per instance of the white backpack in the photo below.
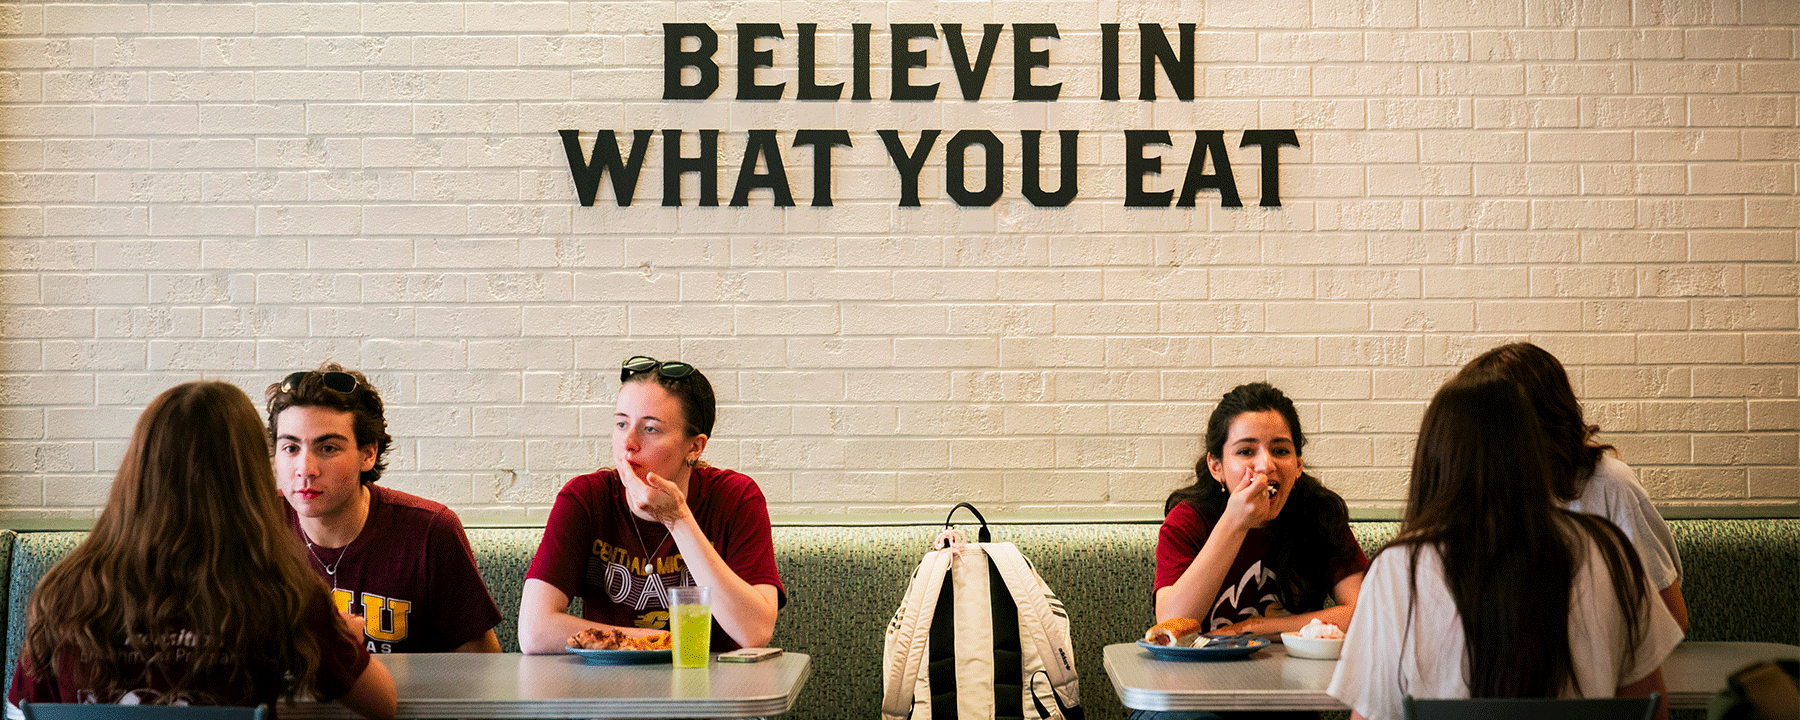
(978, 636)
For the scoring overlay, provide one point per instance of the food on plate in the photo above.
(599, 639)
(1176, 632)
(1321, 631)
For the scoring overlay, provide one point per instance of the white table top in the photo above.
(511, 685)
(1271, 680)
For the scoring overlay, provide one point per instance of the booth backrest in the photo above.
(1742, 582)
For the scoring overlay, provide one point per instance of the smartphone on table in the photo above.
(750, 655)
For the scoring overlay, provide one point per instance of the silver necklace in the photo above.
(332, 569)
(649, 556)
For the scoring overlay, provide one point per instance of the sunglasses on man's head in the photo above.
(673, 369)
(342, 382)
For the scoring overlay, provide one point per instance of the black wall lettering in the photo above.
(1025, 59)
(750, 59)
(1137, 166)
(675, 58)
(822, 141)
(1033, 189)
(971, 76)
(606, 161)
(809, 67)
(1271, 142)
(1156, 50)
(1209, 143)
(908, 164)
(1109, 61)
(761, 144)
(906, 58)
(692, 72)
(859, 51)
(706, 165)
(955, 173)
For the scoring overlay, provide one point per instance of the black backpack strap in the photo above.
(983, 535)
(1009, 661)
(1068, 712)
(941, 660)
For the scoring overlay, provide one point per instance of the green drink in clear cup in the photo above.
(690, 620)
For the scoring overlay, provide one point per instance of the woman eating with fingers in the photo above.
(659, 518)
(1256, 545)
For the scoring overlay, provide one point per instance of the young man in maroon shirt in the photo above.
(398, 565)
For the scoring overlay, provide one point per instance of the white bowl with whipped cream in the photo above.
(1317, 641)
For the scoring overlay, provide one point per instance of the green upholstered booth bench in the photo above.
(1742, 583)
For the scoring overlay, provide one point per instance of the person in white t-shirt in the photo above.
(1587, 476)
(1491, 590)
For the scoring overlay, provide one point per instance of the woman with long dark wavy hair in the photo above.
(190, 589)
(1256, 545)
(1491, 590)
(1586, 475)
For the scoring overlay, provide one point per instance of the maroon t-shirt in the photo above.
(341, 663)
(594, 548)
(1251, 589)
(410, 574)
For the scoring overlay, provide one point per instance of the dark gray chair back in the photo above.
(81, 711)
(1531, 708)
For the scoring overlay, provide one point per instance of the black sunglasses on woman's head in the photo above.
(673, 369)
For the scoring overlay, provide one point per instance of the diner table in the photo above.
(512, 685)
(1272, 680)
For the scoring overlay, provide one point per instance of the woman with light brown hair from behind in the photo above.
(190, 590)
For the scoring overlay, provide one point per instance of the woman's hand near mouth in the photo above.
(649, 495)
(1253, 505)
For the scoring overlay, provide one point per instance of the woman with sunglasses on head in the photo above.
(1587, 476)
(1490, 590)
(1256, 545)
(190, 590)
(659, 518)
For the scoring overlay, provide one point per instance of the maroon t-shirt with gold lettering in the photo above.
(410, 574)
(594, 548)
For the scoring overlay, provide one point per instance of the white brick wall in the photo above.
(238, 190)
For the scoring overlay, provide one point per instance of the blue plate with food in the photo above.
(1223, 647)
(622, 657)
(611, 647)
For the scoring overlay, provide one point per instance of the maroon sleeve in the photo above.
(1179, 541)
(341, 659)
(462, 608)
(1347, 566)
(27, 686)
(751, 549)
(562, 554)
